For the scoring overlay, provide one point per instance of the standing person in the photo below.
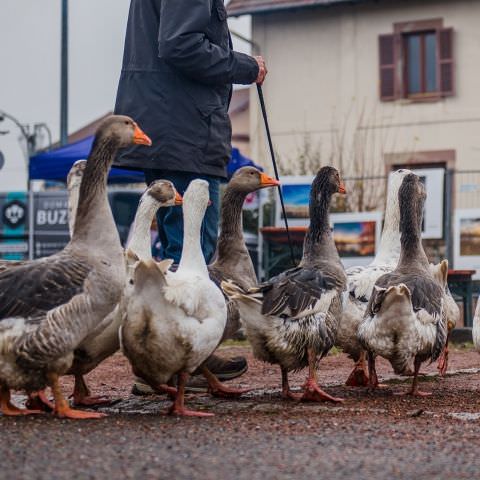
(176, 81)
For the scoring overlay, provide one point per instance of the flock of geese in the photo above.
(64, 314)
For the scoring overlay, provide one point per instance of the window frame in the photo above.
(392, 46)
(421, 35)
(402, 30)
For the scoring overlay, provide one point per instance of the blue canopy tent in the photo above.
(237, 160)
(55, 164)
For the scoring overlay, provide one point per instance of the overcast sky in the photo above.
(30, 67)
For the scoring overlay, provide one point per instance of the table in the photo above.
(461, 285)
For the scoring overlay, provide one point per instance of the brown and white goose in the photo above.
(405, 321)
(292, 319)
(361, 281)
(232, 260)
(48, 306)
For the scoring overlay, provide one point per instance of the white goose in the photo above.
(476, 327)
(175, 320)
(49, 306)
(361, 281)
(405, 319)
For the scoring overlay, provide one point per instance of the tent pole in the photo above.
(31, 222)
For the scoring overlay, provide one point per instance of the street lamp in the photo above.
(64, 76)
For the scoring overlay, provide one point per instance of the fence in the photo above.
(457, 189)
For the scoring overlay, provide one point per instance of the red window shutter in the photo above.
(445, 61)
(386, 44)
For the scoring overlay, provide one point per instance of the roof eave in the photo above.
(262, 10)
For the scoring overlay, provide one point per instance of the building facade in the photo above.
(366, 85)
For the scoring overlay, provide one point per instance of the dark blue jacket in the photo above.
(176, 82)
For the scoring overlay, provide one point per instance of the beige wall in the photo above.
(240, 129)
(323, 87)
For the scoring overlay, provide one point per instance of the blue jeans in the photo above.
(170, 220)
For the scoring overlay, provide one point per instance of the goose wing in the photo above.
(35, 287)
(362, 279)
(296, 291)
(426, 294)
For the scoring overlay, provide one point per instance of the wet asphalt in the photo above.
(370, 436)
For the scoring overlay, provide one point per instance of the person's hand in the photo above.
(262, 70)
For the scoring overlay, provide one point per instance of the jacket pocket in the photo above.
(205, 98)
(217, 151)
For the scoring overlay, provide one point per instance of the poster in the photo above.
(357, 236)
(434, 181)
(467, 240)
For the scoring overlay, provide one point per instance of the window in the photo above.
(416, 61)
(421, 62)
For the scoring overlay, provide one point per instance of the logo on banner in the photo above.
(14, 214)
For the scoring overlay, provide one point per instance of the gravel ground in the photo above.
(261, 436)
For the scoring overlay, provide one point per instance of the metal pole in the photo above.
(449, 178)
(64, 76)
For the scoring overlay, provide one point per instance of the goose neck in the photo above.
(192, 256)
(319, 238)
(140, 241)
(231, 222)
(389, 248)
(94, 217)
(319, 220)
(412, 252)
(73, 195)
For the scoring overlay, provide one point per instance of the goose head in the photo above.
(164, 193)
(394, 182)
(197, 196)
(196, 199)
(250, 179)
(74, 177)
(123, 130)
(411, 197)
(389, 250)
(327, 182)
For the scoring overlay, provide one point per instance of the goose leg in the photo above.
(169, 390)
(218, 389)
(81, 394)
(414, 391)
(8, 409)
(40, 401)
(178, 407)
(443, 360)
(372, 372)
(62, 408)
(286, 392)
(359, 375)
(312, 391)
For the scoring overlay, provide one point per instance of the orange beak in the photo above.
(140, 137)
(341, 188)
(266, 181)
(178, 199)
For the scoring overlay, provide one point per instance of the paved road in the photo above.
(263, 437)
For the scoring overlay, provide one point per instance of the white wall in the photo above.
(323, 73)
